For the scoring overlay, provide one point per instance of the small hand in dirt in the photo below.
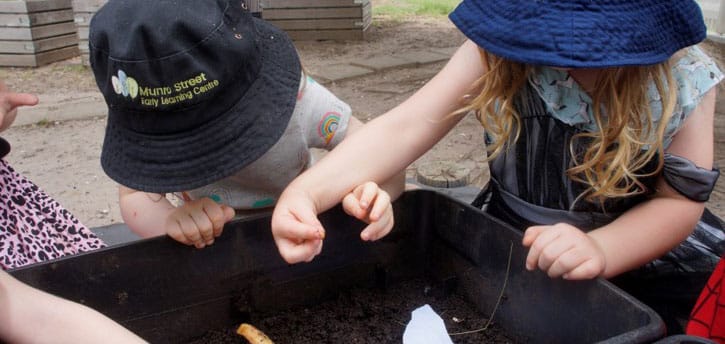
(371, 204)
(562, 250)
(9, 103)
(198, 222)
(295, 227)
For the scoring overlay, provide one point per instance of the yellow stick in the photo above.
(253, 334)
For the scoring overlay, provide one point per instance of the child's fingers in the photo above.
(554, 251)
(381, 205)
(21, 99)
(378, 229)
(295, 252)
(204, 226)
(175, 233)
(227, 215)
(188, 228)
(351, 205)
(586, 270)
(299, 231)
(297, 227)
(369, 192)
(531, 233)
(543, 238)
(218, 214)
(566, 261)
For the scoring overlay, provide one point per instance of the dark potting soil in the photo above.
(369, 316)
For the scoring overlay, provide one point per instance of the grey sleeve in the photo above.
(325, 117)
(693, 182)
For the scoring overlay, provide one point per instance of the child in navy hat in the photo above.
(598, 117)
(210, 103)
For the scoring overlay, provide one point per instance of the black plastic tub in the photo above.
(167, 292)
(684, 339)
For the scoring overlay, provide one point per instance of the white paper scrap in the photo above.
(426, 327)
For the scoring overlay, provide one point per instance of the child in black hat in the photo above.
(210, 103)
(599, 121)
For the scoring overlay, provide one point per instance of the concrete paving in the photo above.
(88, 105)
(62, 107)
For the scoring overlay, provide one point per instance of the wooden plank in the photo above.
(38, 32)
(35, 19)
(87, 5)
(47, 57)
(36, 60)
(32, 47)
(30, 6)
(268, 4)
(318, 24)
(48, 5)
(351, 28)
(313, 13)
(321, 35)
(13, 7)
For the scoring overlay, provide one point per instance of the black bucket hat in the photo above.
(582, 33)
(196, 89)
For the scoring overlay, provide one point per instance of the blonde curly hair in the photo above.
(627, 139)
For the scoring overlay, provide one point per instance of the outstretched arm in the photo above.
(379, 150)
(395, 185)
(29, 315)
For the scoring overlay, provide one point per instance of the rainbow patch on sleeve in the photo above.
(328, 126)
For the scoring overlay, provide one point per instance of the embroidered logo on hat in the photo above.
(178, 92)
(124, 85)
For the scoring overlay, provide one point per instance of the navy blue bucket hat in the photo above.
(581, 33)
(196, 90)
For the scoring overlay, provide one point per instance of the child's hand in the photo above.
(198, 222)
(295, 227)
(9, 103)
(370, 204)
(563, 250)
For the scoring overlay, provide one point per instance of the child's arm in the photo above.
(640, 235)
(395, 185)
(379, 150)
(196, 222)
(29, 315)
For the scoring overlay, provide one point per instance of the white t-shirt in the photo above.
(319, 120)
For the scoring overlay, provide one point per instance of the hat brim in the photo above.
(203, 155)
(581, 34)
